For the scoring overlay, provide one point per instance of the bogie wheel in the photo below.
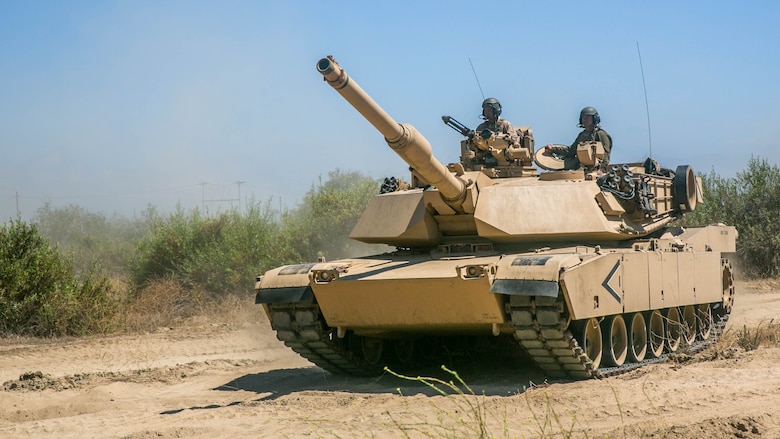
(704, 320)
(688, 325)
(372, 349)
(615, 341)
(655, 330)
(637, 338)
(404, 350)
(591, 342)
(673, 329)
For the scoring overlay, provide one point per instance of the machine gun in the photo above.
(457, 126)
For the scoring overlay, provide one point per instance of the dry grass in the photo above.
(467, 414)
(166, 303)
(758, 286)
(750, 338)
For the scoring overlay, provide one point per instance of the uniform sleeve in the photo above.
(607, 143)
(508, 129)
(571, 151)
(565, 151)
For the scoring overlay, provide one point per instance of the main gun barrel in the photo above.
(404, 139)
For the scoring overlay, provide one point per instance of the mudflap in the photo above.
(531, 274)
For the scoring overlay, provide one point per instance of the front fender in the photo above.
(531, 274)
(286, 284)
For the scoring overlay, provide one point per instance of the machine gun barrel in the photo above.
(404, 139)
(457, 126)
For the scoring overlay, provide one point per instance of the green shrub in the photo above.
(39, 293)
(86, 236)
(220, 254)
(224, 253)
(320, 226)
(750, 202)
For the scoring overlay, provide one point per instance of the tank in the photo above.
(508, 252)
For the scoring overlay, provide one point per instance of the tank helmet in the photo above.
(589, 111)
(493, 103)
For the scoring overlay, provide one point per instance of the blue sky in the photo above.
(117, 105)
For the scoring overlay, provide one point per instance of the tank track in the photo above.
(541, 328)
(301, 327)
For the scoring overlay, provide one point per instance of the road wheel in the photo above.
(637, 338)
(591, 342)
(615, 340)
(656, 332)
(404, 350)
(673, 329)
(688, 325)
(372, 349)
(704, 320)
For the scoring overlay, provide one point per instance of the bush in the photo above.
(224, 254)
(85, 236)
(186, 257)
(320, 226)
(167, 303)
(751, 203)
(39, 293)
(219, 255)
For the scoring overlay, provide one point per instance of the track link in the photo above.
(541, 329)
(302, 328)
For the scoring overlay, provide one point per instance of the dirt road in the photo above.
(218, 380)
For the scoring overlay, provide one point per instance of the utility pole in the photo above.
(239, 183)
(203, 197)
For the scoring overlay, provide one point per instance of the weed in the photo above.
(473, 416)
(465, 401)
(750, 339)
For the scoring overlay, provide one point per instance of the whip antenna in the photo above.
(475, 77)
(647, 107)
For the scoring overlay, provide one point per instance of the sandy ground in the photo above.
(218, 380)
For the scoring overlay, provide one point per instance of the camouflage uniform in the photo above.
(598, 135)
(502, 126)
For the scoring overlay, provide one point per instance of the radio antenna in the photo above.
(475, 77)
(647, 107)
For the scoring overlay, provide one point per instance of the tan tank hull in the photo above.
(394, 298)
(581, 274)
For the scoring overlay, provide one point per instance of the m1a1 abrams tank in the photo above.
(582, 273)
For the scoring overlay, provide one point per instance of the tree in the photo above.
(320, 226)
(39, 292)
(750, 202)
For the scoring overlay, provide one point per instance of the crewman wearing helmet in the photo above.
(590, 121)
(491, 110)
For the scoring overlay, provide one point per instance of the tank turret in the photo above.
(506, 201)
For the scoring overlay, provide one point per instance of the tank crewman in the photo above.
(491, 110)
(590, 121)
